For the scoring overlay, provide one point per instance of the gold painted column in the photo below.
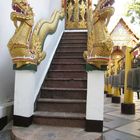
(127, 107)
(109, 94)
(116, 93)
(106, 83)
(76, 14)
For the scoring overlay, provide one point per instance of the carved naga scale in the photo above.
(26, 45)
(99, 44)
(23, 48)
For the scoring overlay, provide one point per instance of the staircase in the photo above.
(62, 100)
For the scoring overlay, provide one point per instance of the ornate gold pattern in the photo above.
(26, 46)
(128, 93)
(116, 55)
(99, 42)
(76, 14)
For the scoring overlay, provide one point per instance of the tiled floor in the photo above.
(121, 127)
(114, 122)
(117, 135)
(131, 128)
(116, 127)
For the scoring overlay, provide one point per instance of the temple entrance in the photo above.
(76, 14)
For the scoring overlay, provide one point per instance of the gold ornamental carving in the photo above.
(99, 44)
(76, 17)
(26, 45)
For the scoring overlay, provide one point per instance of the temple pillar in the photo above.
(24, 97)
(127, 107)
(95, 101)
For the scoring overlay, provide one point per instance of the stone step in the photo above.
(71, 48)
(69, 60)
(70, 63)
(73, 34)
(73, 41)
(73, 51)
(65, 66)
(55, 132)
(63, 93)
(68, 57)
(84, 45)
(61, 105)
(67, 74)
(69, 53)
(83, 37)
(65, 82)
(59, 119)
(62, 101)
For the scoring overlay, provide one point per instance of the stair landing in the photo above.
(38, 132)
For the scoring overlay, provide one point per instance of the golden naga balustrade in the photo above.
(26, 45)
(99, 44)
(116, 55)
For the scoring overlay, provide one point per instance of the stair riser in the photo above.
(63, 53)
(63, 60)
(67, 67)
(64, 45)
(71, 49)
(75, 55)
(65, 84)
(69, 56)
(61, 107)
(66, 74)
(68, 63)
(58, 94)
(67, 41)
(71, 34)
(59, 122)
(75, 38)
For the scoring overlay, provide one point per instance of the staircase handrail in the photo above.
(45, 28)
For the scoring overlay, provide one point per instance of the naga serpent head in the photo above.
(105, 9)
(104, 4)
(22, 7)
(22, 12)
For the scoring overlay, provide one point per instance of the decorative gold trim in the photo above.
(26, 46)
(76, 17)
(128, 93)
(43, 27)
(63, 3)
(99, 44)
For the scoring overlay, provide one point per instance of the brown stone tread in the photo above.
(70, 63)
(61, 100)
(64, 89)
(66, 70)
(67, 79)
(59, 115)
(68, 57)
